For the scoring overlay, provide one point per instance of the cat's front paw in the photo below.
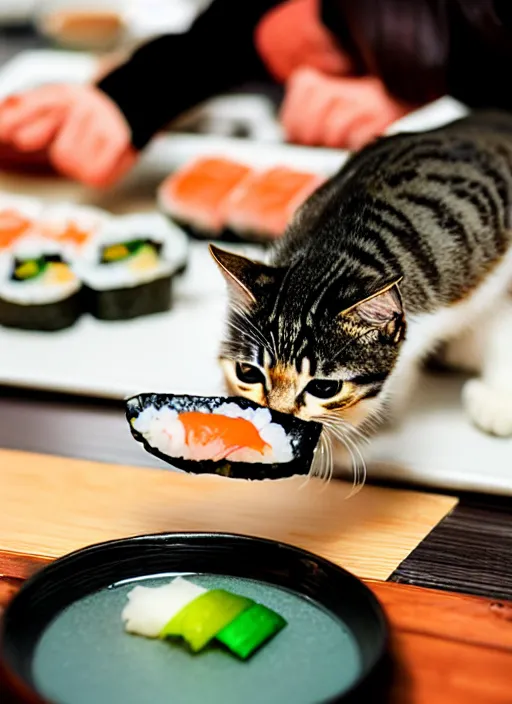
(490, 409)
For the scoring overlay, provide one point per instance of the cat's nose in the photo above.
(279, 402)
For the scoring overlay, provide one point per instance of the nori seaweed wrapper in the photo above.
(44, 317)
(130, 301)
(303, 436)
(227, 234)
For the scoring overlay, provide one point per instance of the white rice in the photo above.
(149, 609)
(162, 429)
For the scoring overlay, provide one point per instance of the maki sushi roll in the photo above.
(264, 203)
(38, 288)
(198, 616)
(233, 437)
(128, 267)
(195, 195)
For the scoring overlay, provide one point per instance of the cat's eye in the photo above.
(249, 374)
(324, 388)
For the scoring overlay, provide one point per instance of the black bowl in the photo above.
(86, 571)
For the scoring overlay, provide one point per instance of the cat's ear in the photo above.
(245, 278)
(381, 308)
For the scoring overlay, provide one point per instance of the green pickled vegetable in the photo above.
(204, 617)
(250, 630)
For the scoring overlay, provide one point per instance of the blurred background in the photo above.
(90, 24)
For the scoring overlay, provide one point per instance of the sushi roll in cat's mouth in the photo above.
(233, 437)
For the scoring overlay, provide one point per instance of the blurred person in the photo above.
(349, 67)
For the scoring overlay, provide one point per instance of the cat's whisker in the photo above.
(352, 433)
(338, 428)
(245, 333)
(251, 328)
(329, 463)
(317, 460)
(358, 461)
(316, 469)
(321, 471)
(322, 467)
(254, 331)
(360, 471)
(305, 482)
(332, 415)
(348, 447)
(241, 323)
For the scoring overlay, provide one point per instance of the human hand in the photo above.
(84, 132)
(333, 112)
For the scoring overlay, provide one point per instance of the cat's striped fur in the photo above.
(407, 247)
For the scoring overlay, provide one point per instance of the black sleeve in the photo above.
(176, 72)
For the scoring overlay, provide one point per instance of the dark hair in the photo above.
(410, 44)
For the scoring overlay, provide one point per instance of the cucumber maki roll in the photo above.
(38, 288)
(233, 437)
(128, 268)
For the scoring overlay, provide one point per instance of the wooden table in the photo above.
(447, 648)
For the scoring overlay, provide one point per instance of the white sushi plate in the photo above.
(177, 351)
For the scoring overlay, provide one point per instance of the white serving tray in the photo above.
(177, 351)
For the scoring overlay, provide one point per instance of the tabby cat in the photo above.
(407, 248)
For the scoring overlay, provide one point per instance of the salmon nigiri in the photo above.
(264, 203)
(195, 194)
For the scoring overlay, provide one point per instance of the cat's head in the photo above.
(299, 349)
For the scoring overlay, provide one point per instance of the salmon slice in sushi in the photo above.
(264, 203)
(233, 436)
(195, 196)
(17, 216)
(72, 226)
